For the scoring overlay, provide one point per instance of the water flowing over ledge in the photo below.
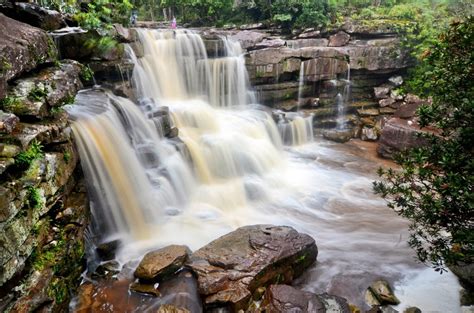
(239, 167)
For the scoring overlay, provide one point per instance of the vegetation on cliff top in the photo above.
(434, 188)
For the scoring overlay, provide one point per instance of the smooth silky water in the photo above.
(239, 167)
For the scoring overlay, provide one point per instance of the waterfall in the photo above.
(343, 100)
(233, 172)
(141, 184)
(300, 85)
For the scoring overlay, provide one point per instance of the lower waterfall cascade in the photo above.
(235, 163)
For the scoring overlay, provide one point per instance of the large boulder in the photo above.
(35, 15)
(22, 48)
(287, 299)
(231, 268)
(398, 135)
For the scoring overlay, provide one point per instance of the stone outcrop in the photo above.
(231, 268)
(34, 15)
(34, 96)
(22, 48)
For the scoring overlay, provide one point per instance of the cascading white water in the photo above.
(149, 195)
(343, 100)
(300, 85)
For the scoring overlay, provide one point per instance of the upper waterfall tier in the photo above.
(175, 66)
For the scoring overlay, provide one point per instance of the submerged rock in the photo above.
(284, 298)
(150, 289)
(383, 293)
(163, 263)
(168, 308)
(107, 250)
(231, 268)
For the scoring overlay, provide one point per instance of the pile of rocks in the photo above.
(247, 270)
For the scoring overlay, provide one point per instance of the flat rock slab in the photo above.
(231, 268)
(286, 299)
(160, 264)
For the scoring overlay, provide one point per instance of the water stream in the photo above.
(240, 167)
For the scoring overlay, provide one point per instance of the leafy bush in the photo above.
(434, 188)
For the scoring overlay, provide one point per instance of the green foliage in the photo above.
(4, 65)
(100, 14)
(86, 73)
(101, 44)
(67, 157)
(37, 93)
(10, 103)
(24, 158)
(35, 200)
(434, 188)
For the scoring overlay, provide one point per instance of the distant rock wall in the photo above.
(368, 56)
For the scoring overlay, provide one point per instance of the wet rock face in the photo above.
(163, 263)
(178, 294)
(22, 48)
(35, 15)
(232, 267)
(286, 299)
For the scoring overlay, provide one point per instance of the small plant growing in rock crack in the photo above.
(67, 157)
(86, 73)
(10, 102)
(24, 159)
(37, 93)
(35, 200)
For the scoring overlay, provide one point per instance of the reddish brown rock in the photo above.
(162, 263)
(339, 39)
(286, 299)
(409, 107)
(398, 135)
(232, 267)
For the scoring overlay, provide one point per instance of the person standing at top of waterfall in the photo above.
(173, 23)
